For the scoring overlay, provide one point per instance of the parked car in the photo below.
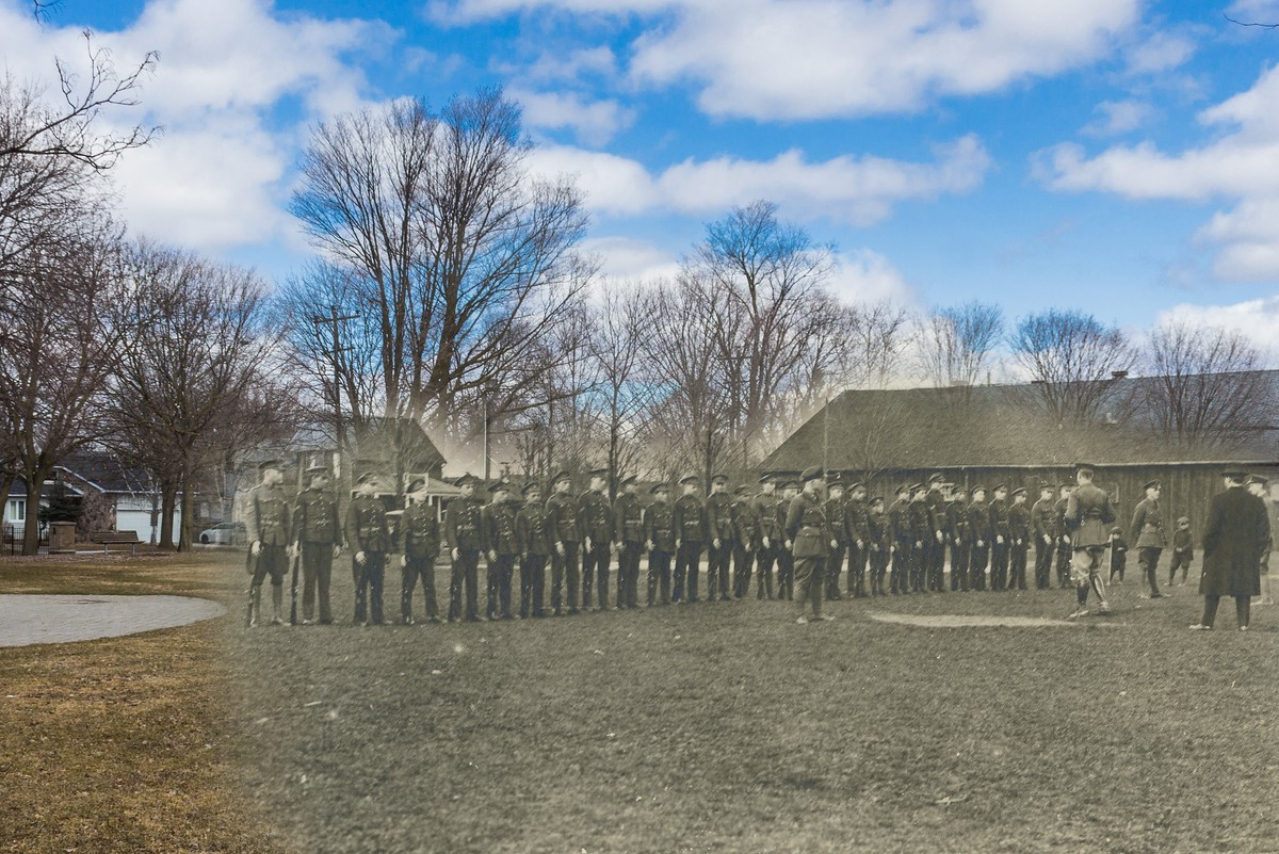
(224, 534)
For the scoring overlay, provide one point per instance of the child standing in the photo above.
(1118, 554)
(1183, 550)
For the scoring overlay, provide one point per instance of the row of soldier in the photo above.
(879, 549)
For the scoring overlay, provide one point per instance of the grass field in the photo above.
(120, 745)
(726, 727)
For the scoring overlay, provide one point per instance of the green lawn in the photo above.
(726, 727)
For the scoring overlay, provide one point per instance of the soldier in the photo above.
(834, 510)
(420, 529)
(535, 550)
(1148, 528)
(1043, 523)
(903, 541)
(921, 533)
(1019, 539)
(596, 516)
(565, 532)
(1118, 555)
(719, 532)
(878, 544)
(957, 536)
(745, 540)
(770, 536)
(785, 555)
(628, 541)
(807, 529)
(1088, 513)
(317, 537)
(268, 524)
(980, 533)
(689, 522)
(935, 544)
(1183, 551)
(855, 525)
(659, 536)
(463, 539)
(370, 540)
(1001, 537)
(501, 547)
(1064, 550)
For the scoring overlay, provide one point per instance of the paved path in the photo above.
(953, 621)
(27, 619)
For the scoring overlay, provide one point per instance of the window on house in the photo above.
(17, 510)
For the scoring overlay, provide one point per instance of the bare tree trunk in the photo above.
(187, 534)
(35, 491)
(168, 503)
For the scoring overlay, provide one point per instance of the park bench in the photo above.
(118, 539)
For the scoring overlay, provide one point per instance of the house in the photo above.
(991, 434)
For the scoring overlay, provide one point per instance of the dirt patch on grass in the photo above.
(962, 621)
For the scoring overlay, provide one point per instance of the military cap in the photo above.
(415, 485)
(1021, 490)
(720, 478)
(959, 491)
(600, 472)
(904, 489)
(835, 484)
(1088, 467)
(856, 484)
(1184, 520)
(791, 484)
(1000, 486)
(468, 479)
(1235, 475)
(317, 469)
(630, 478)
(811, 473)
(1116, 530)
(499, 486)
(1256, 478)
(878, 499)
(1047, 487)
(365, 477)
(532, 486)
(562, 476)
(917, 487)
(270, 464)
(1150, 484)
(689, 479)
(659, 487)
(742, 490)
(978, 488)
(767, 477)
(1066, 485)
(934, 478)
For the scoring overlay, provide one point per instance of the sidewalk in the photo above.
(27, 619)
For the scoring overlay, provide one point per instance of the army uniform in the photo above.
(690, 532)
(1064, 550)
(565, 532)
(597, 529)
(745, 542)
(535, 549)
(628, 533)
(420, 529)
(464, 532)
(857, 532)
(766, 511)
(811, 537)
(659, 536)
(268, 524)
(316, 532)
(719, 529)
(957, 536)
(980, 533)
(1118, 555)
(1148, 527)
(878, 546)
(834, 510)
(1019, 543)
(1001, 536)
(903, 545)
(1043, 523)
(921, 533)
(502, 547)
(935, 542)
(1088, 513)
(367, 534)
(1183, 552)
(785, 555)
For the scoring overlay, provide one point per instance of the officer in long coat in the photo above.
(808, 530)
(420, 533)
(1235, 536)
(1148, 527)
(1089, 515)
(317, 534)
(268, 522)
(369, 537)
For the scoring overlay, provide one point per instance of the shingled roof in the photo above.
(998, 426)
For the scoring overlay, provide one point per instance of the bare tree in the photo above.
(1073, 360)
(1205, 386)
(954, 346)
(620, 326)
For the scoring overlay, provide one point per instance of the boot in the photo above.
(255, 602)
(277, 604)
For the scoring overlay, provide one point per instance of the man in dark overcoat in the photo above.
(1236, 534)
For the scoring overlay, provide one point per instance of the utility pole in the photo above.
(332, 321)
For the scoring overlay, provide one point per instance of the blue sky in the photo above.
(1112, 155)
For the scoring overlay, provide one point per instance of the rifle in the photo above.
(293, 606)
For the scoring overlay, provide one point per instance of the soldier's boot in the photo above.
(255, 602)
(277, 605)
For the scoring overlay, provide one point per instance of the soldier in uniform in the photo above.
(1043, 523)
(370, 540)
(596, 515)
(957, 536)
(785, 554)
(935, 544)
(856, 528)
(1002, 535)
(921, 533)
(565, 532)
(745, 540)
(719, 532)
(689, 522)
(420, 529)
(903, 541)
(317, 537)
(659, 536)
(1064, 552)
(268, 526)
(1088, 513)
(878, 544)
(463, 539)
(535, 550)
(501, 547)
(770, 536)
(1148, 528)
(807, 529)
(834, 510)
(979, 536)
(628, 540)
(1019, 539)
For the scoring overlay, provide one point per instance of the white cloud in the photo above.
(861, 191)
(1160, 53)
(802, 59)
(628, 259)
(594, 122)
(865, 277)
(1240, 165)
(1119, 117)
(1257, 320)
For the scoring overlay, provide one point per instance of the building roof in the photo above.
(107, 473)
(375, 440)
(1000, 426)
